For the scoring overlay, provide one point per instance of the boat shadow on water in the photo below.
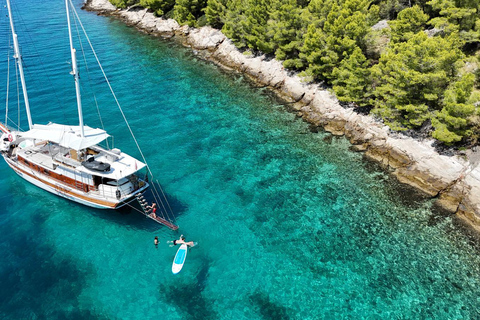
(132, 215)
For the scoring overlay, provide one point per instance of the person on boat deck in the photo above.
(155, 241)
(154, 209)
(181, 240)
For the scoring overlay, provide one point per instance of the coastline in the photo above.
(454, 181)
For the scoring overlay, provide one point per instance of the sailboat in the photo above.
(67, 160)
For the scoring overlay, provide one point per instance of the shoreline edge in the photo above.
(454, 181)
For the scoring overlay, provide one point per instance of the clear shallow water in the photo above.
(290, 224)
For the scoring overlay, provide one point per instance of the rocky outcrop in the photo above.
(100, 6)
(453, 181)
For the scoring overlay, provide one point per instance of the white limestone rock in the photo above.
(166, 27)
(228, 55)
(133, 16)
(148, 21)
(272, 72)
(101, 5)
(294, 88)
(471, 201)
(205, 38)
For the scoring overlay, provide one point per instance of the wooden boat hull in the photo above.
(67, 192)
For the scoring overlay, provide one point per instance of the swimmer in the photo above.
(181, 240)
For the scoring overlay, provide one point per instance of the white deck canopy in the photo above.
(66, 136)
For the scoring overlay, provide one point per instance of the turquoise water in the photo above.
(290, 224)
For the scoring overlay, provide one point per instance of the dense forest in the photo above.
(413, 63)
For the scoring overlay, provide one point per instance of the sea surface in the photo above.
(290, 223)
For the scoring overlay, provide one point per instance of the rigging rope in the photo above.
(90, 79)
(168, 204)
(14, 124)
(109, 86)
(18, 97)
(155, 196)
(120, 108)
(8, 81)
(46, 77)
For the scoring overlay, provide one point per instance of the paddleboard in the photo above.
(179, 259)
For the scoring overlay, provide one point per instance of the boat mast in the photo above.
(75, 70)
(18, 58)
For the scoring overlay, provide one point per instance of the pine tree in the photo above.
(246, 24)
(123, 3)
(188, 11)
(453, 123)
(462, 16)
(215, 13)
(235, 21)
(351, 80)
(257, 16)
(411, 78)
(409, 22)
(160, 7)
(285, 29)
(343, 30)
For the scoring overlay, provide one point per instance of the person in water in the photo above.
(181, 240)
(154, 209)
(155, 242)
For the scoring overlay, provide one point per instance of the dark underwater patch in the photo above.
(268, 309)
(36, 282)
(187, 297)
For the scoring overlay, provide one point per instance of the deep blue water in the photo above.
(290, 223)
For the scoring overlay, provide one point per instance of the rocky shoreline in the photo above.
(454, 181)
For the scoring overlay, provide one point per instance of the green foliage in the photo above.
(390, 8)
(317, 12)
(257, 16)
(454, 121)
(159, 7)
(373, 15)
(285, 29)
(343, 30)
(123, 3)
(234, 22)
(351, 80)
(246, 24)
(409, 22)
(188, 11)
(411, 78)
(215, 13)
(462, 16)
(408, 77)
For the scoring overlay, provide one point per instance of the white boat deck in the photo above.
(49, 155)
(38, 156)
